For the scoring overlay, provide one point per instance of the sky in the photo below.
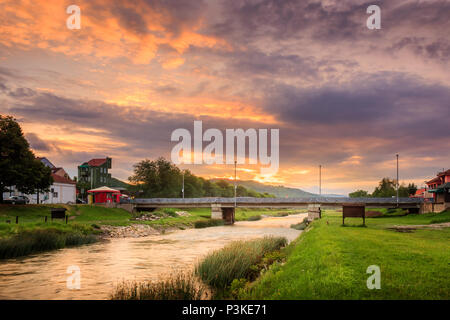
(343, 96)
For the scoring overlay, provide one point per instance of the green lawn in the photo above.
(329, 261)
(32, 216)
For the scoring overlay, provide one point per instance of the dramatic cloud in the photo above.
(343, 96)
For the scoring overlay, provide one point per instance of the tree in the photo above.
(386, 189)
(161, 178)
(359, 194)
(18, 165)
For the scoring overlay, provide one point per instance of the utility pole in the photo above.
(320, 179)
(235, 183)
(182, 189)
(397, 179)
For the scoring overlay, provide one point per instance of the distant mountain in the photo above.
(118, 183)
(278, 191)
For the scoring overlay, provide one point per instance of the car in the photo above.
(17, 200)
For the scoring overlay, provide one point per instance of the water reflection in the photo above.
(105, 264)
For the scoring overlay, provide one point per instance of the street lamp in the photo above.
(235, 183)
(182, 188)
(320, 179)
(397, 178)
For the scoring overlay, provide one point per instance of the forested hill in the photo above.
(277, 191)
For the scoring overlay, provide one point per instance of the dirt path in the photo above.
(410, 228)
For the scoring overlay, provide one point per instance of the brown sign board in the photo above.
(354, 210)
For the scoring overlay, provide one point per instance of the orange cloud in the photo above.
(29, 24)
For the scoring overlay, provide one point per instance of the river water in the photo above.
(104, 264)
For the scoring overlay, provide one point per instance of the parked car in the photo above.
(80, 201)
(17, 200)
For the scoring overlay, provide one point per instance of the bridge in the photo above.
(223, 208)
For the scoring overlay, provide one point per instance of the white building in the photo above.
(63, 189)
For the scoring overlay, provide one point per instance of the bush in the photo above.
(178, 287)
(299, 226)
(235, 261)
(254, 218)
(31, 241)
(170, 212)
(282, 214)
(208, 223)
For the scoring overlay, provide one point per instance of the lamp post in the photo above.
(235, 183)
(320, 179)
(182, 188)
(397, 178)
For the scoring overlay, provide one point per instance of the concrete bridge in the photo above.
(223, 208)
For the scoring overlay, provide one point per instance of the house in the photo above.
(62, 190)
(94, 173)
(440, 188)
(104, 195)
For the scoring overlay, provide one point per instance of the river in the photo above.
(104, 264)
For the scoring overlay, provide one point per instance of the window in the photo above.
(55, 194)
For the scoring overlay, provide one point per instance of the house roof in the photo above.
(104, 189)
(96, 162)
(60, 179)
(444, 173)
(437, 179)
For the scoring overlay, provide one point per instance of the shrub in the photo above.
(181, 286)
(282, 214)
(30, 241)
(299, 226)
(235, 261)
(254, 218)
(208, 223)
(170, 212)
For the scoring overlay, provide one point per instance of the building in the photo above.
(440, 188)
(94, 174)
(104, 195)
(62, 190)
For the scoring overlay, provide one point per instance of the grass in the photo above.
(235, 261)
(244, 214)
(181, 286)
(38, 240)
(208, 223)
(329, 261)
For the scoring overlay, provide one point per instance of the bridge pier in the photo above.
(314, 212)
(226, 214)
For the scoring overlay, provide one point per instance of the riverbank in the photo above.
(330, 261)
(105, 264)
(90, 223)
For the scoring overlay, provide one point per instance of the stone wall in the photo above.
(314, 212)
(429, 207)
(216, 211)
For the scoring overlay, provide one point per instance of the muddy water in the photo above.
(103, 265)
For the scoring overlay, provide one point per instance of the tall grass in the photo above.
(208, 223)
(181, 286)
(235, 261)
(38, 240)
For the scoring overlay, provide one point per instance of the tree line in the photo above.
(161, 178)
(386, 188)
(18, 164)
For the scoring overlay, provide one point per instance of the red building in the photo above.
(105, 195)
(440, 187)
